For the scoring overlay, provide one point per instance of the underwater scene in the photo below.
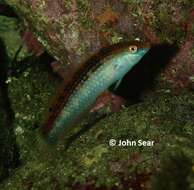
(97, 94)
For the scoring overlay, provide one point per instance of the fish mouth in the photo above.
(144, 50)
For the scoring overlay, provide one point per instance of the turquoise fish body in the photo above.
(109, 71)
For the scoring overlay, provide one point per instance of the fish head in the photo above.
(127, 57)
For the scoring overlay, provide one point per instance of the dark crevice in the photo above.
(18, 67)
(137, 81)
(9, 151)
(6, 10)
(142, 77)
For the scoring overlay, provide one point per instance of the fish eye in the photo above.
(132, 49)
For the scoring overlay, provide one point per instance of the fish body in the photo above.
(98, 78)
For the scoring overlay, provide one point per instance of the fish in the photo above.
(98, 73)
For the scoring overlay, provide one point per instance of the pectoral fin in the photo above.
(117, 84)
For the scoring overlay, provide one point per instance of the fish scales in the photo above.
(89, 84)
(82, 97)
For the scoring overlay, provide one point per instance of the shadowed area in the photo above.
(136, 82)
(142, 77)
(18, 67)
(8, 148)
(158, 92)
(6, 10)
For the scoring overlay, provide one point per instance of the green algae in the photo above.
(8, 147)
(164, 25)
(4, 133)
(49, 30)
(10, 33)
(34, 87)
(165, 118)
(10, 42)
(83, 13)
(165, 18)
(35, 18)
(94, 155)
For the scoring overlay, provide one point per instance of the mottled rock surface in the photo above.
(73, 30)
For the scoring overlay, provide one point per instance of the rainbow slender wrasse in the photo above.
(101, 71)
